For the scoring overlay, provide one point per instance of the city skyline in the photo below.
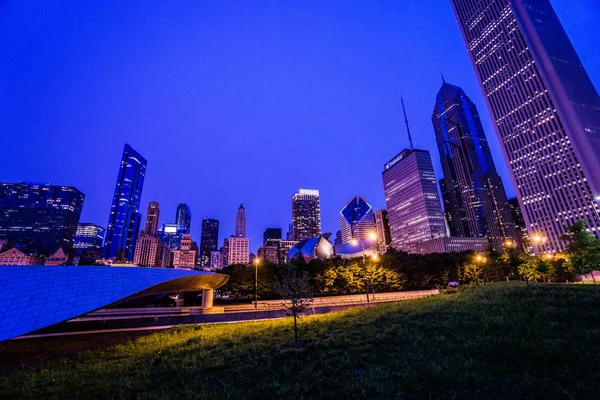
(264, 200)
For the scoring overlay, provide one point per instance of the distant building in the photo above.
(356, 220)
(454, 244)
(185, 257)
(412, 199)
(216, 261)
(306, 214)
(16, 256)
(170, 235)
(43, 218)
(473, 192)
(148, 251)
(166, 257)
(88, 237)
(338, 238)
(314, 248)
(225, 251)
(545, 109)
(125, 218)
(269, 253)
(382, 227)
(517, 215)
(240, 222)
(183, 218)
(356, 249)
(238, 251)
(58, 258)
(289, 235)
(271, 236)
(152, 217)
(209, 240)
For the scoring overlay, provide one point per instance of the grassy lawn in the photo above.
(501, 341)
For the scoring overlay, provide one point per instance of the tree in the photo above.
(471, 271)
(534, 268)
(582, 250)
(292, 285)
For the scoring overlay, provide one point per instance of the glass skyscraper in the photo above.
(545, 110)
(306, 214)
(209, 240)
(412, 199)
(43, 218)
(89, 237)
(183, 218)
(473, 193)
(356, 220)
(124, 219)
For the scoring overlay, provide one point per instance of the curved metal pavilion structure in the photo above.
(35, 297)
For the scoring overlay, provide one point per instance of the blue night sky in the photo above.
(234, 101)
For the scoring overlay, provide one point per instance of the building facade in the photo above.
(240, 222)
(454, 244)
(382, 228)
(306, 214)
(473, 192)
(412, 199)
(238, 250)
(356, 220)
(58, 258)
(88, 237)
(545, 109)
(271, 236)
(185, 256)
(43, 218)
(183, 218)
(170, 235)
(124, 218)
(209, 240)
(148, 251)
(216, 260)
(15, 256)
(152, 217)
(269, 253)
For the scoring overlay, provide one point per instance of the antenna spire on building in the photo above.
(443, 80)
(406, 122)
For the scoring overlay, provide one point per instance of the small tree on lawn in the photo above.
(534, 268)
(294, 288)
(582, 250)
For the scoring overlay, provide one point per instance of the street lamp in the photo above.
(256, 262)
(354, 242)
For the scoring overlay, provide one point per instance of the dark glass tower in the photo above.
(271, 236)
(473, 193)
(209, 240)
(124, 219)
(545, 109)
(183, 218)
(43, 218)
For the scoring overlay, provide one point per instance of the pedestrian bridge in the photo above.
(35, 297)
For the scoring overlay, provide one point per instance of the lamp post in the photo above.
(354, 242)
(256, 262)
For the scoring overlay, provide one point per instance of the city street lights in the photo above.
(256, 262)
(354, 242)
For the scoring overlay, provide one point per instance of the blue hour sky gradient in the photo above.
(234, 101)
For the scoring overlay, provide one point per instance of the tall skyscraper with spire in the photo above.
(152, 219)
(124, 218)
(473, 193)
(545, 110)
(240, 222)
(306, 214)
(183, 218)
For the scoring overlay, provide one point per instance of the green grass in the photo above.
(501, 341)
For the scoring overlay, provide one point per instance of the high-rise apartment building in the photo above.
(238, 250)
(271, 236)
(382, 228)
(124, 219)
(473, 192)
(43, 218)
(88, 237)
(183, 218)
(306, 214)
(152, 217)
(412, 199)
(209, 240)
(185, 256)
(240, 222)
(216, 260)
(356, 220)
(545, 110)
